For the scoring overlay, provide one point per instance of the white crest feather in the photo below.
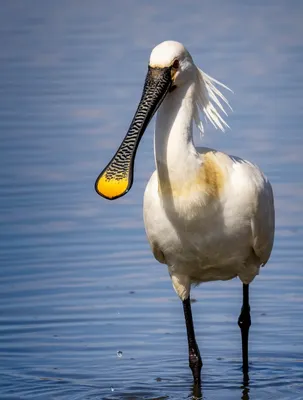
(208, 98)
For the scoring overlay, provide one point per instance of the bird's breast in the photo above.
(193, 188)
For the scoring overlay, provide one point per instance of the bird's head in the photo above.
(174, 57)
(170, 66)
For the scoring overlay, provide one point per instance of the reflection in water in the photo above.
(245, 379)
(78, 282)
(245, 394)
(197, 392)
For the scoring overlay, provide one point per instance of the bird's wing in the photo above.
(263, 223)
(256, 192)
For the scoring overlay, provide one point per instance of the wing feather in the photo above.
(263, 223)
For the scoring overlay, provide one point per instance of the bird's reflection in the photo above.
(196, 391)
(245, 393)
(246, 379)
(245, 387)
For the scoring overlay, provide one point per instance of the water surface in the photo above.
(78, 282)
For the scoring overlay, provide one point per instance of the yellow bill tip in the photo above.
(111, 188)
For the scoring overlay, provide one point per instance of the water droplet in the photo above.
(119, 353)
(112, 389)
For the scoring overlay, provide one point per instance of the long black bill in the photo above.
(117, 177)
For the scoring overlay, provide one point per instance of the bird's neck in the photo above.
(175, 154)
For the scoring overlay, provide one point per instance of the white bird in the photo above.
(208, 215)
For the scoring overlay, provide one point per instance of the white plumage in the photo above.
(208, 216)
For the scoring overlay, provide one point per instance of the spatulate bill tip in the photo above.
(112, 188)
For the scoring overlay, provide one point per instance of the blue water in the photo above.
(78, 282)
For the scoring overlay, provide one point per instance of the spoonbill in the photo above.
(208, 216)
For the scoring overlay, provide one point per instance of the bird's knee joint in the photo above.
(194, 357)
(244, 321)
(195, 362)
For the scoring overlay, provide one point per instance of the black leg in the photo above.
(244, 323)
(195, 361)
(196, 392)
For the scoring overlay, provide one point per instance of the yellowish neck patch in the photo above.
(209, 180)
(211, 175)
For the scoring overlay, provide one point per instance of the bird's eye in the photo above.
(176, 64)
